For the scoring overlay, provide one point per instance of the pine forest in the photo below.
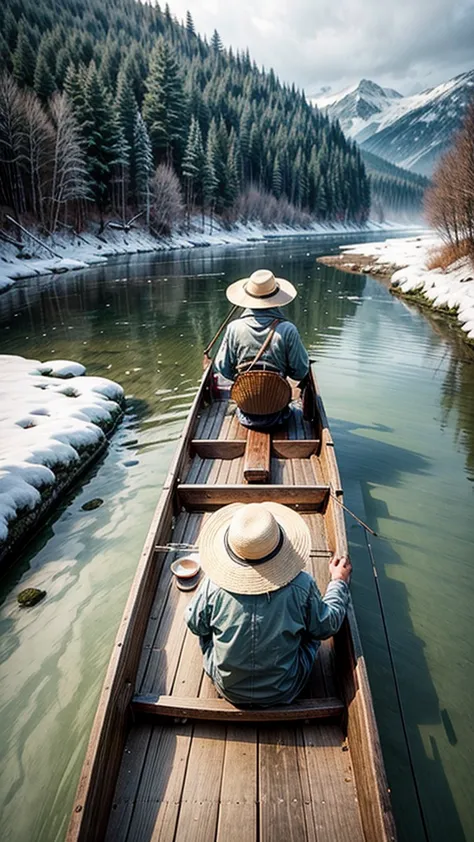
(111, 108)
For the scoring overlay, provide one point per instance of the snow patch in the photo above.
(452, 289)
(44, 433)
(63, 368)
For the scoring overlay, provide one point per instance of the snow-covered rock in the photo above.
(62, 368)
(48, 429)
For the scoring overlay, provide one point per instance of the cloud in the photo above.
(409, 44)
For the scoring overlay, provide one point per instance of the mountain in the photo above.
(412, 131)
(356, 107)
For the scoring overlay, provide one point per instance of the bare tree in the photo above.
(11, 143)
(69, 179)
(258, 206)
(450, 202)
(166, 200)
(37, 147)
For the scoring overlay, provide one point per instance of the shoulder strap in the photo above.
(265, 344)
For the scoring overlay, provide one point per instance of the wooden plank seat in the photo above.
(218, 448)
(222, 710)
(197, 497)
(235, 448)
(257, 457)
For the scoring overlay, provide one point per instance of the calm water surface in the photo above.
(399, 391)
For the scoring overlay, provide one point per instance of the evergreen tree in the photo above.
(276, 177)
(143, 155)
(126, 106)
(10, 29)
(211, 166)
(193, 164)
(121, 168)
(190, 23)
(5, 63)
(109, 63)
(63, 60)
(24, 59)
(74, 87)
(127, 110)
(44, 83)
(164, 105)
(216, 43)
(232, 174)
(101, 133)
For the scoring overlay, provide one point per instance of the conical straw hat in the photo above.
(254, 548)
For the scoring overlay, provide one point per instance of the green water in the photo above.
(399, 391)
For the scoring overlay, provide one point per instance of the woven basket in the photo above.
(261, 392)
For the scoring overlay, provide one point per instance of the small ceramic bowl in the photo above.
(186, 571)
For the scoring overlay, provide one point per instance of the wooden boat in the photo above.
(168, 760)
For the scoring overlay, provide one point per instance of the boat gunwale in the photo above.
(79, 826)
(356, 692)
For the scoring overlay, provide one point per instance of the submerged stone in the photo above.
(92, 504)
(29, 597)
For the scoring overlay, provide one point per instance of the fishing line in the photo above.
(397, 687)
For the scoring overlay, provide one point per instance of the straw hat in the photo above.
(261, 290)
(254, 548)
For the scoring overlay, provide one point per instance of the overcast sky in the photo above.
(405, 44)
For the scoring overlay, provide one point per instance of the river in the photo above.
(399, 392)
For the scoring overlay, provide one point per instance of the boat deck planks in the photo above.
(206, 781)
(211, 780)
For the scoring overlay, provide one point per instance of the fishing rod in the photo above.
(223, 325)
(359, 521)
(396, 684)
(183, 547)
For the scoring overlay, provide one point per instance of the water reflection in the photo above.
(401, 397)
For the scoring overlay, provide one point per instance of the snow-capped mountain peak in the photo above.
(355, 105)
(410, 131)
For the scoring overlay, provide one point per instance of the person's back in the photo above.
(258, 614)
(245, 336)
(262, 646)
(262, 295)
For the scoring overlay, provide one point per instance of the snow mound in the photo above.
(65, 264)
(47, 432)
(62, 368)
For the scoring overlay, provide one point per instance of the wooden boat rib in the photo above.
(168, 760)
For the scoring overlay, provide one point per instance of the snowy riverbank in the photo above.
(404, 263)
(89, 248)
(53, 422)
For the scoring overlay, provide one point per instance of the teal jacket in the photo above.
(245, 336)
(259, 649)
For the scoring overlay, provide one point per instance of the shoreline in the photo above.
(402, 266)
(56, 421)
(88, 249)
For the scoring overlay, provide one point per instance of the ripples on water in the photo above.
(399, 390)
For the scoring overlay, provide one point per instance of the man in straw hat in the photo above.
(262, 295)
(258, 613)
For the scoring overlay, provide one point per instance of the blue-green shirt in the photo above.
(245, 336)
(259, 649)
